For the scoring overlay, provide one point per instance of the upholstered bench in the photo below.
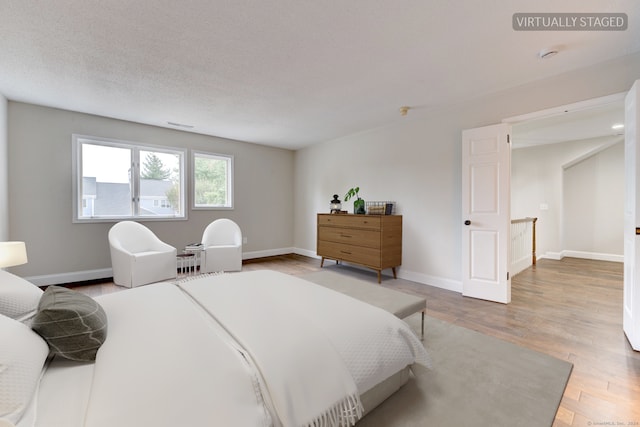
(400, 304)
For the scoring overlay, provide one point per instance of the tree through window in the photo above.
(154, 168)
(212, 181)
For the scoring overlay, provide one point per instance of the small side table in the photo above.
(186, 264)
(198, 253)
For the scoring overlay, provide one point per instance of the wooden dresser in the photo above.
(374, 241)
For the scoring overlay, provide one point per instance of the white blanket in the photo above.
(297, 354)
(323, 340)
(164, 363)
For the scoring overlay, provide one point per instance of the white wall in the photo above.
(416, 162)
(594, 206)
(538, 176)
(4, 174)
(40, 192)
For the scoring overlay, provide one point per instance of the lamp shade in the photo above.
(12, 253)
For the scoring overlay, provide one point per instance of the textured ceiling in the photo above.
(287, 73)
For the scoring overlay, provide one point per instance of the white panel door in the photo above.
(486, 213)
(631, 294)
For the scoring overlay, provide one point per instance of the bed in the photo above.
(258, 348)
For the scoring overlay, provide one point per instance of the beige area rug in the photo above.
(476, 380)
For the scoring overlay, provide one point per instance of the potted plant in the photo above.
(358, 203)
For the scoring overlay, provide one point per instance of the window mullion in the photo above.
(111, 181)
(135, 181)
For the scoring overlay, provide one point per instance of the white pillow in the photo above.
(18, 297)
(22, 357)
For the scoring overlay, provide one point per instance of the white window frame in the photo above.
(77, 174)
(230, 180)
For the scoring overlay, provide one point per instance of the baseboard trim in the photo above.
(428, 280)
(403, 273)
(423, 279)
(594, 256)
(71, 277)
(306, 252)
(266, 253)
(557, 256)
(584, 255)
(105, 273)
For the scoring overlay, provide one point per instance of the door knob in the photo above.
(467, 222)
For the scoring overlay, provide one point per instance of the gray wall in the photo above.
(414, 161)
(417, 162)
(4, 173)
(40, 192)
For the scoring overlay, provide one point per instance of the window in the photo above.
(212, 181)
(115, 180)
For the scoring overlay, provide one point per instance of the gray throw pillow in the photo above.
(73, 324)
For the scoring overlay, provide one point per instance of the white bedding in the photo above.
(63, 395)
(301, 396)
(169, 361)
(163, 364)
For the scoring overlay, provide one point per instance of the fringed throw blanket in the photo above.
(306, 379)
(308, 342)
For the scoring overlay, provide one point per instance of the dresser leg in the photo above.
(379, 276)
(394, 272)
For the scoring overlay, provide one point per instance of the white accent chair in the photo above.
(138, 257)
(222, 245)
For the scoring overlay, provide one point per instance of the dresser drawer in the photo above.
(357, 254)
(371, 222)
(350, 236)
(374, 241)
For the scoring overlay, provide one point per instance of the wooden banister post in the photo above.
(533, 246)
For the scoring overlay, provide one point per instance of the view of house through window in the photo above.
(212, 181)
(118, 180)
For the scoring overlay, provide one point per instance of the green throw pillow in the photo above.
(73, 324)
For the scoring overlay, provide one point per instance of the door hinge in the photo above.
(508, 138)
(507, 275)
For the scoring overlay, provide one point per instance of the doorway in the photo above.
(631, 203)
(568, 171)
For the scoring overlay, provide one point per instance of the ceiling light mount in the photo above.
(404, 110)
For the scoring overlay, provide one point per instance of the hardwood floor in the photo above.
(569, 309)
(572, 310)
